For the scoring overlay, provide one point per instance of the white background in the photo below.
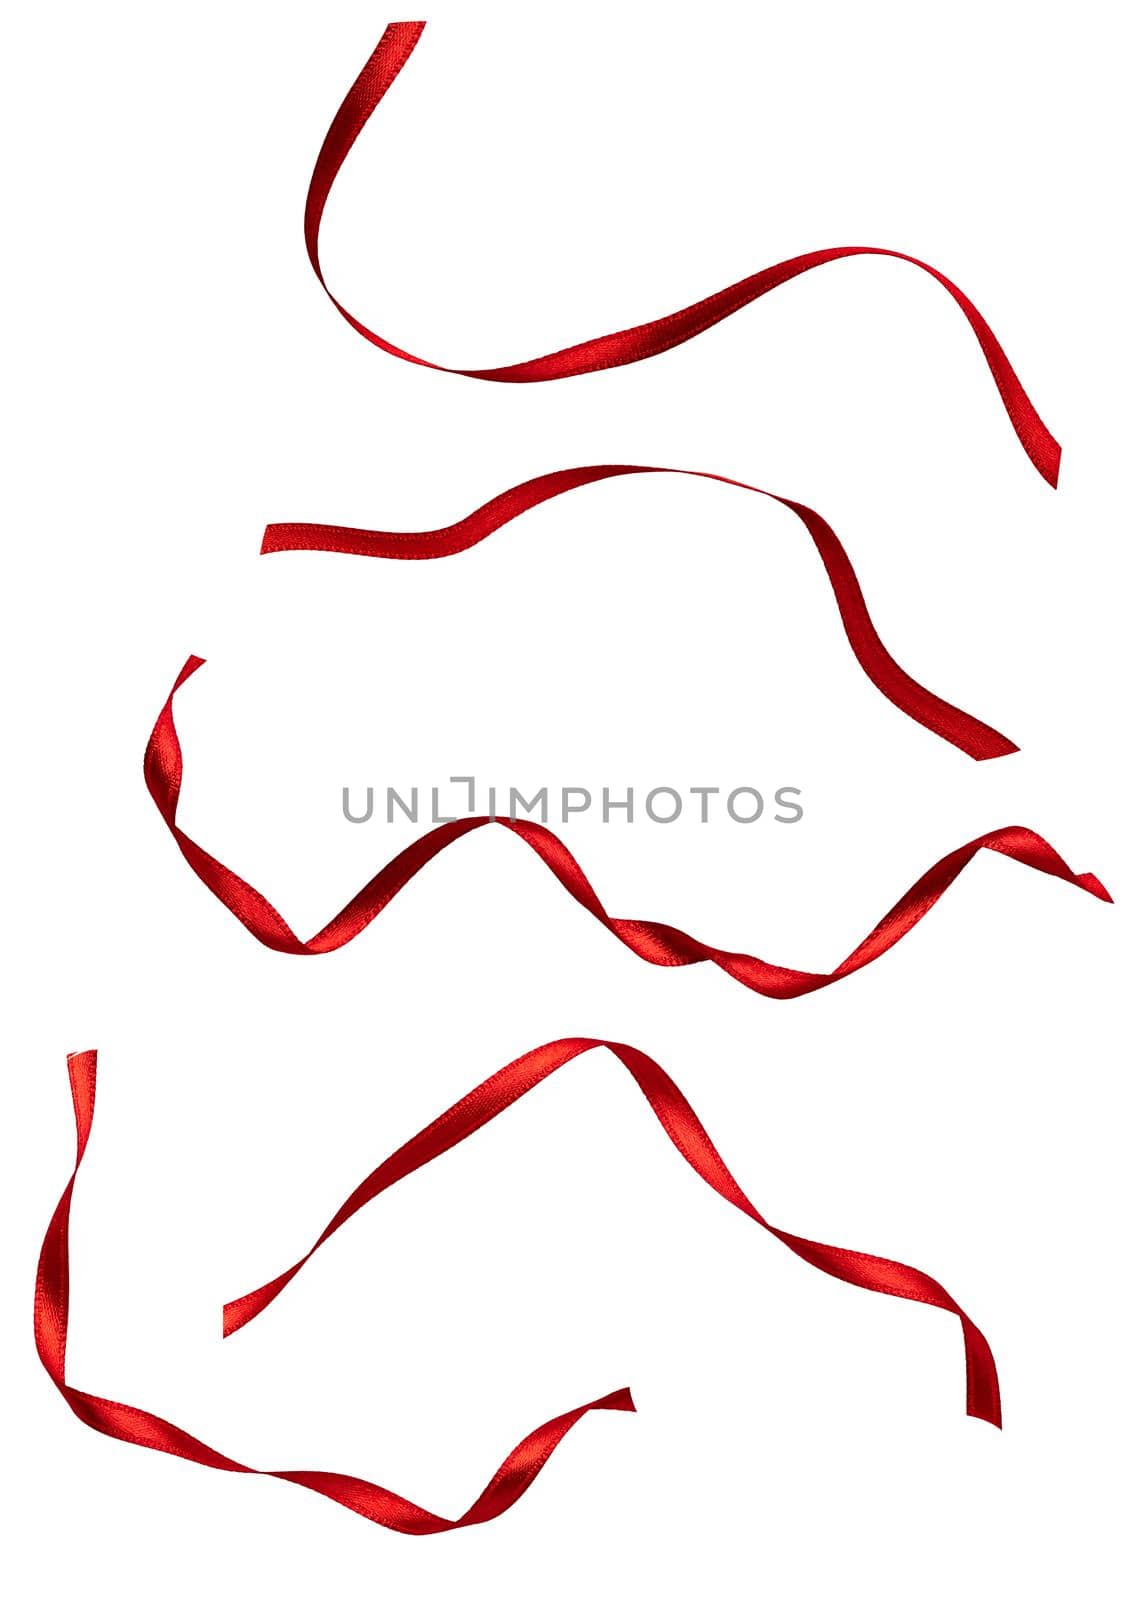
(540, 175)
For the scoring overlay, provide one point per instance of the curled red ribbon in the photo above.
(650, 338)
(693, 1143)
(973, 737)
(143, 1428)
(655, 942)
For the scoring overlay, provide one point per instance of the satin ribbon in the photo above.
(973, 737)
(649, 338)
(143, 1428)
(693, 1143)
(655, 942)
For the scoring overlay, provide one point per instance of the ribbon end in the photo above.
(1053, 463)
(998, 747)
(1093, 885)
(991, 1412)
(235, 1314)
(191, 666)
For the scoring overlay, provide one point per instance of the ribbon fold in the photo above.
(967, 733)
(654, 942)
(648, 339)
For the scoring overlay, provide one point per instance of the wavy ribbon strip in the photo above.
(971, 736)
(693, 1143)
(650, 338)
(655, 942)
(143, 1428)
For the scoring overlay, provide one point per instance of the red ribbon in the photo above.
(649, 338)
(654, 942)
(693, 1143)
(143, 1428)
(973, 737)
(521, 1466)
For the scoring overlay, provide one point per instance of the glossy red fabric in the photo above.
(691, 1139)
(649, 338)
(130, 1425)
(143, 1428)
(973, 737)
(655, 942)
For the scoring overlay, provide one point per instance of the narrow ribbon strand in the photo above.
(142, 1428)
(971, 736)
(655, 942)
(650, 338)
(691, 1139)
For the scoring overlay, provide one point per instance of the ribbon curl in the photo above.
(691, 1139)
(654, 942)
(967, 733)
(389, 58)
(130, 1425)
(150, 1432)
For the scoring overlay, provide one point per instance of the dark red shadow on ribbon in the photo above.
(973, 737)
(649, 338)
(655, 942)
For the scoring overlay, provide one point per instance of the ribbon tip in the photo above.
(1096, 887)
(1003, 747)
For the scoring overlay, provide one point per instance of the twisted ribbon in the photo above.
(389, 58)
(973, 737)
(655, 942)
(693, 1143)
(142, 1428)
